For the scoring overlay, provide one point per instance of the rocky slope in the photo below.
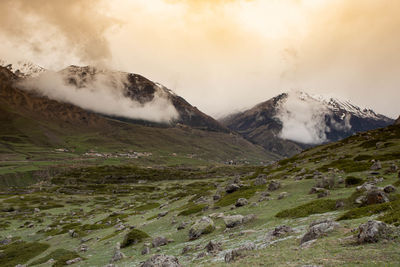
(274, 123)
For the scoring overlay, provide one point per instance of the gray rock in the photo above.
(260, 180)
(241, 202)
(366, 187)
(213, 247)
(324, 193)
(118, 255)
(186, 249)
(69, 262)
(182, 225)
(339, 204)
(236, 220)
(274, 185)
(375, 197)
(216, 197)
(238, 252)
(282, 230)
(159, 241)
(161, 261)
(162, 214)
(231, 188)
(393, 168)
(318, 229)
(376, 165)
(372, 232)
(389, 189)
(203, 226)
(282, 195)
(145, 250)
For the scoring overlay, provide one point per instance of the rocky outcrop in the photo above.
(318, 229)
(161, 261)
(203, 226)
(372, 232)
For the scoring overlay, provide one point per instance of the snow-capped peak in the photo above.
(23, 68)
(338, 106)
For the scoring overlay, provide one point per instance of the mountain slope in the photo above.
(288, 123)
(33, 126)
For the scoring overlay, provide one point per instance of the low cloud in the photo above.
(105, 94)
(307, 120)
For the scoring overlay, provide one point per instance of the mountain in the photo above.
(33, 126)
(289, 123)
(397, 122)
(23, 68)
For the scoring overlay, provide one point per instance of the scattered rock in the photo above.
(326, 183)
(376, 165)
(238, 252)
(393, 168)
(274, 185)
(145, 250)
(324, 193)
(282, 230)
(260, 180)
(241, 202)
(73, 234)
(213, 247)
(372, 232)
(162, 214)
(375, 197)
(366, 187)
(216, 197)
(317, 229)
(389, 189)
(235, 220)
(339, 204)
(161, 261)
(118, 255)
(231, 188)
(308, 244)
(160, 241)
(201, 255)
(203, 226)
(36, 210)
(186, 249)
(182, 225)
(282, 195)
(69, 262)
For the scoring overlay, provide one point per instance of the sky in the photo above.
(221, 55)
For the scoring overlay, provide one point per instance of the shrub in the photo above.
(133, 237)
(351, 180)
(230, 199)
(313, 207)
(191, 208)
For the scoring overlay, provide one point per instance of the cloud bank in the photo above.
(105, 94)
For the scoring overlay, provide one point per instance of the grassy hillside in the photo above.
(87, 210)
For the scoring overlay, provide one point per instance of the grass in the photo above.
(352, 181)
(191, 208)
(230, 199)
(313, 207)
(20, 252)
(60, 256)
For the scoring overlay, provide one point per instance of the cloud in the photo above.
(105, 94)
(74, 26)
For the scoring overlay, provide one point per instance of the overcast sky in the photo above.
(221, 55)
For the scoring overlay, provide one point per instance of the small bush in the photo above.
(191, 208)
(148, 206)
(313, 207)
(133, 237)
(351, 181)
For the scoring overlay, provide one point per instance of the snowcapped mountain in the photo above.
(23, 68)
(293, 121)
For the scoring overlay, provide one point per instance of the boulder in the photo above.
(160, 241)
(375, 197)
(393, 168)
(213, 247)
(230, 188)
(235, 220)
(274, 185)
(366, 187)
(372, 232)
(118, 255)
(216, 197)
(324, 193)
(182, 225)
(260, 180)
(161, 261)
(282, 230)
(238, 252)
(145, 250)
(282, 195)
(376, 165)
(318, 229)
(389, 189)
(186, 249)
(73, 261)
(203, 226)
(162, 214)
(241, 202)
